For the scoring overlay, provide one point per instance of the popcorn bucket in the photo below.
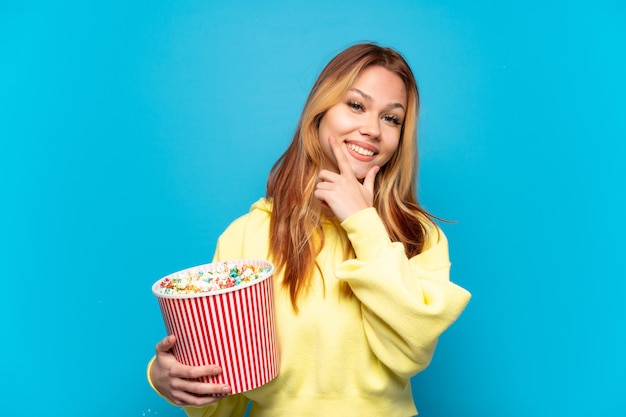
(231, 327)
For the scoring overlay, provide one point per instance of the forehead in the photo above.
(381, 85)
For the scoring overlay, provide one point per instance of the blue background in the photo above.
(132, 133)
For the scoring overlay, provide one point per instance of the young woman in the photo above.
(362, 291)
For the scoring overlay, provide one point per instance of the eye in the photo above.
(390, 118)
(355, 105)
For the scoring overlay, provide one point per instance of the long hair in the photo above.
(296, 236)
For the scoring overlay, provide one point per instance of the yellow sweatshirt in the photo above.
(348, 356)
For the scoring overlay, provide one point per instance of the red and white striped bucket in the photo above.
(233, 328)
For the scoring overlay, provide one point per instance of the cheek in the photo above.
(334, 123)
(390, 147)
(324, 132)
(337, 121)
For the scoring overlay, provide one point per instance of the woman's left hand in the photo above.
(342, 191)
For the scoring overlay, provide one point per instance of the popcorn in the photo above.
(225, 275)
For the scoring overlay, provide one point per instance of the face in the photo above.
(367, 122)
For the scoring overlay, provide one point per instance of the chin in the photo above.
(360, 173)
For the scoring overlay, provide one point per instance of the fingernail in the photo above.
(225, 389)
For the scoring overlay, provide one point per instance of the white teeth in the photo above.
(359, 150)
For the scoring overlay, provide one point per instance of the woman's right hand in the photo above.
(178, 382)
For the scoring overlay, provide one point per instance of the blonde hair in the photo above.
(296, 235)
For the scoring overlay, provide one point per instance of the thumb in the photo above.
(166, 344)
(368, 181)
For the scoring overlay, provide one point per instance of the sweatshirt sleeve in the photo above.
(406, 303)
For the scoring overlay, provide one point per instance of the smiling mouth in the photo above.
(360, 150)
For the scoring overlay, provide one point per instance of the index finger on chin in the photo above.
(342, 160)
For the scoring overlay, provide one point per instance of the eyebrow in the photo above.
(368, 97)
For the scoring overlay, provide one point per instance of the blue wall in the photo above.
(133, 132)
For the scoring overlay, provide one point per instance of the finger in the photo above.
(325, 186)
(342, 160)
(166, 344)
(203, 389)
(320, 194)
(194, 372)
(184, 398)
(368, 182)
(326, 175)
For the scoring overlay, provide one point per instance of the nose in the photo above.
(370, 126)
